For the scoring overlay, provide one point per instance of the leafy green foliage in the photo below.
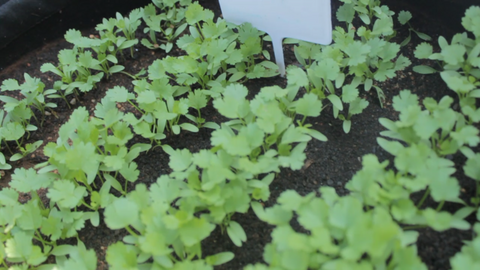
(459, 63)
(349, 59)
(468, 256)
(430, 135)
(438, 127)
(75, 73)
(159, 226)
(404, 18)
(33, 90)
(215, 45)
(170, 23)
(342, 235)
(87, 146)
(167, 221)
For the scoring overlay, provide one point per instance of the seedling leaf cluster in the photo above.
(91, 174)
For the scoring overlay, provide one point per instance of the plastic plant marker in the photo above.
(308, 20)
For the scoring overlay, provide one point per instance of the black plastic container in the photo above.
(448, 12)
(28, 24)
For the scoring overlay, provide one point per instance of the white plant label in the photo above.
(308, 20)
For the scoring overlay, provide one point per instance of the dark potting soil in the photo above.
(330, 163)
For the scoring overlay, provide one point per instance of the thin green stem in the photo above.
(303, 120)
(100, 150)
(129, 75)
(476, 195)
(199, 113)
(100, 176)
(43, 241)
(88, 206)
(18, 144)
(129, 230)
(414, 227)
(8, 147)
(439, 207)
(135, 106)
(35, 195)
(425, 195)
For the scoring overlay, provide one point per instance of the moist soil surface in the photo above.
(330, 163)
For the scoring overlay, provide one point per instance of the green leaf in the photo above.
(9, 197)
(439, 221)
(425, 125)
(275, 215)
(146, 97)
(314, 133)
(445, 189)
(457, 82)
(219, 258)
(345, 212)
(337, 103)
(327, 69)
(454, 54)
(120, 256)
(383, 26)
(347, 124)
(236, 233)
(296, 159)
(472, 168)
(466, 135)
(357, 52)
(189, 127)
(20, 247)
(75, 37)
(423, 51)
(388, 52)
(294, 134)
(121, 213)
(62, 250)
(412, 159)
(51, 227)
(81, 258)
(291, 200)
(83, 156)
(404, 209)
(471, 21)
(3, 163)
(309, 105)
(113, 182)
(26, 180)
(233, 103)
(346, 13)
(66, 194)
(357, 106)
(197, 99)
(12, 131)
(349, 93)
(423, 36)
(11, 84)
(404, 16)
(296, 76)
(180, 160)
(195, 230)
(404, 100)
(31, 218)
(385, 71)
(402, 62)
(424, 69)
(236, 76)
(196, 13)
